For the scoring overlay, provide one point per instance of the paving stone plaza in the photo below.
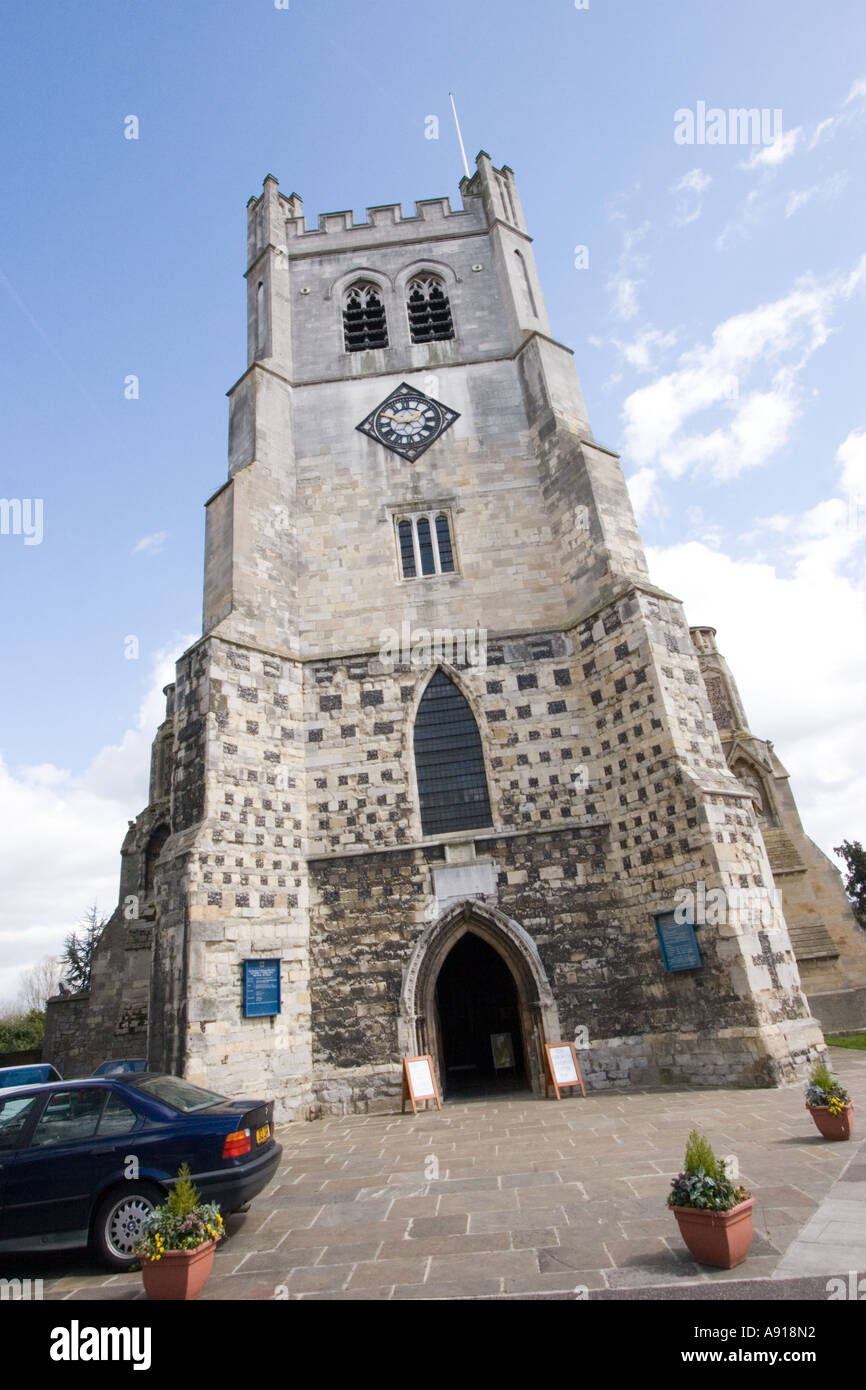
(534, 1198)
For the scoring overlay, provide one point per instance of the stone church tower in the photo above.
(443, 751)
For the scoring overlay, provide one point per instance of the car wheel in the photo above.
(119, 1223)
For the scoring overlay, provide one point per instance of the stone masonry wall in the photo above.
(648, 808)
(234, 889)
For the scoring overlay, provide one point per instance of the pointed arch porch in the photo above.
(418, 1026)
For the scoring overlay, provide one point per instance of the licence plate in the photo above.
(263, 1134)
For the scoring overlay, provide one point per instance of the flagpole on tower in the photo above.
(460, 137)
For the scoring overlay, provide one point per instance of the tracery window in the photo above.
(364, 323)
(424, 544)
(429, 309)
(449, 761)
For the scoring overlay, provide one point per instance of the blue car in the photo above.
(85, 1162)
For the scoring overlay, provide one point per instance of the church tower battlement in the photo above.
(443, 756)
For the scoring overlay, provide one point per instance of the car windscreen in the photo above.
(26, 1076)
(180, 1095)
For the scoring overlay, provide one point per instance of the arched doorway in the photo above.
(419, 1024)
(478, 1016)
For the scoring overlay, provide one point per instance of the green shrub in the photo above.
(700, 1156)
(22, 1032)
(184, 1196)
(704, 1182)
(823, 1087)
(182, 1222)
(821, 1075)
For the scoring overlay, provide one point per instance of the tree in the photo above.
(78, 952)
(855, 883)
(37, 984)
(22, 1032)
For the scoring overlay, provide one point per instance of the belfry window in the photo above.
(364, 323)
(424, 544)
(449, 761)
(429, 310)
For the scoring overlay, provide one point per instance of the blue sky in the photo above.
(718, 333)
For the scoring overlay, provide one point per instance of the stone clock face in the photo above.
(408, 422)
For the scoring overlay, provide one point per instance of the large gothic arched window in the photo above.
(364, 323)
(452, 786)
(429, 310)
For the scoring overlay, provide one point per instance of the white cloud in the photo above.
(747, 375)
(799, 200)
(823, 131)
(615, 207)
(852, 456)
(748, 216)
(759, 203)
(624, 283)
(824, 192)
(643, 350)
(62, 835)
(826, 129)
(695, 181)
(643, 490)
(771, 156)
(688, 204)
(786, 629)
(152, 543)
(857, 92)
(625, 304)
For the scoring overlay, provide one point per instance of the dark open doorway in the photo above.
(479, 1022)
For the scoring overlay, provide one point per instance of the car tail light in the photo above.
(237, 1144)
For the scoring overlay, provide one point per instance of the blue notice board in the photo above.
(261, 988)
(678, 942)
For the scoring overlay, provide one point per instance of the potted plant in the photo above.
(829, 1103)
(180, 1237)
(713, 1213)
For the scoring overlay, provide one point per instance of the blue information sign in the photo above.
(678, 942)
(261, 988)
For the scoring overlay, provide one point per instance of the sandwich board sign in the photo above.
(561, 1069)
(419, 1083)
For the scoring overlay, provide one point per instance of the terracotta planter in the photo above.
(833, 1126)
(718, 1238)
(180, 1275)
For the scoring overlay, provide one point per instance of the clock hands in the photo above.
(387, 415)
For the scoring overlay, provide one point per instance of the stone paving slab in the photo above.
(833, 1240)
(525, 1197)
